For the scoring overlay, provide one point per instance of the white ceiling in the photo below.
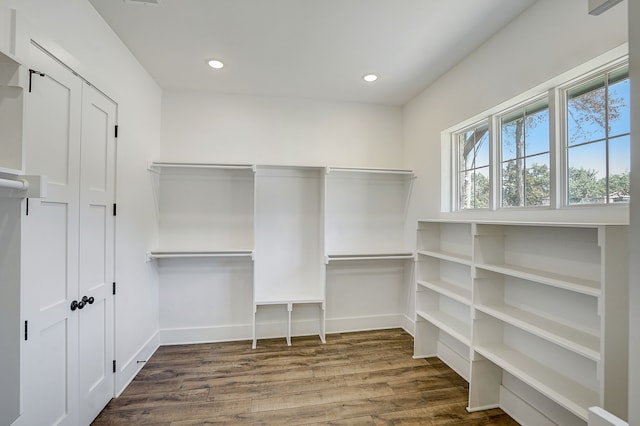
(306, 48)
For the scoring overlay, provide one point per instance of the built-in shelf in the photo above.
(578, 341)
(544, 302)
(11, 116)
(290, 306)
(157, 165)
(448, 323)
(370, 170)
(290, 221)
(385, 256)
(176, 254)
(447, 289)
(578, 285)
(551, 383)
(451, 257)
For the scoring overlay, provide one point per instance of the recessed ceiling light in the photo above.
(369, 78)
(214, 63)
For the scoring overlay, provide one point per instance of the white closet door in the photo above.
(50, 246)
(97, 194)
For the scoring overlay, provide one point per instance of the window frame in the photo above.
(563, 91)
(555, 90)
(548, 97)
(457, 161)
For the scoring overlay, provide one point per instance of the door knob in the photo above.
(82, 303)
(77, 305)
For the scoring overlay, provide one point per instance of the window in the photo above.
(524, 143)
(566, 143)
(473, 165)
(598, 141)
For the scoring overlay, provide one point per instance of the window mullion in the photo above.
(558, 175)
(495, 179)
(606, 137)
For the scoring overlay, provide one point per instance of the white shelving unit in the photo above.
(206, 246)
(443, 293)
(289, 240)
(545, 303)
(281, 227)
(11, 116)
(12, 191)
(365, 213)
(203, 208)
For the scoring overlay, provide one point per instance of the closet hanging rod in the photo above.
(201, 166)
(364, 170)
(14, 184)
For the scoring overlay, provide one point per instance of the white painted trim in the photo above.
(273, 329)
(375, 322)
(454, 360)
(409, 325)
(214, 334)
(600, 417)
(128, 370)
(521, 411)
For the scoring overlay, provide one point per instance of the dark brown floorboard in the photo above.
(364, 378)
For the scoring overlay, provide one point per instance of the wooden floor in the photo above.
(364, 378)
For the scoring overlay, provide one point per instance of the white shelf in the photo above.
(287, 302)
(382, 256)
(370, 170)
(451, 257)
(161, 165)
(175, 254)
(585, 344)
(578, 285)
(449, 290)
(449, 324)
(554, 292)
(10, 171)
(566, 392)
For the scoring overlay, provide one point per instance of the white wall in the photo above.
(634, 238)
(73, 31)
(548, 39)
(224, 128)
(220, 128)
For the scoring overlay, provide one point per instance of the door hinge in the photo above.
(114, 289)
(114, 209)
(26, 330)
(114, 365)
(26, 211)
(116, 132)
(31, 73)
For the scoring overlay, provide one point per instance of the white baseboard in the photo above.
(275, 329)
(521, 411)
(409, 325)
(601, 417)
(130, 368)
(454, 360)
(374, 322)
(227, 333)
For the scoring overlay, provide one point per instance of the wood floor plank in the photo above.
(364, 378)
(347, 393)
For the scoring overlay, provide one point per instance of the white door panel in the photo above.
(55, 399)
(68, 249)
(50, 246)
(97, 195)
